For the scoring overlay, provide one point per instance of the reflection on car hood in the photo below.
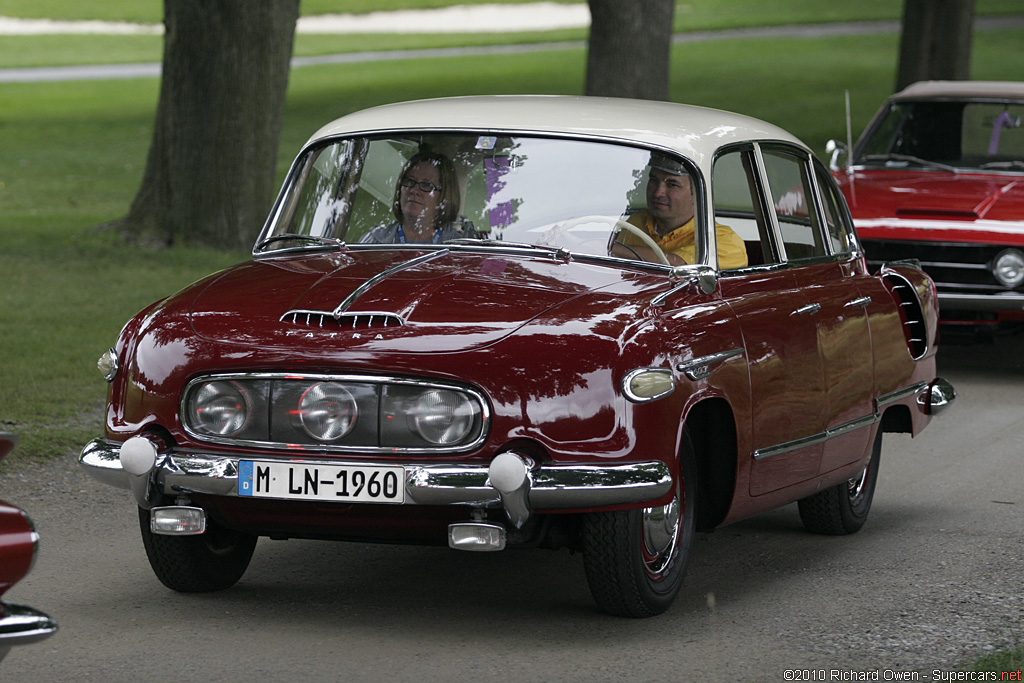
(931, 194)
(958, 208)
(448, 302)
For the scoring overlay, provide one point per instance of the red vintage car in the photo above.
(938, 176)
(553, 322)
(19, 543)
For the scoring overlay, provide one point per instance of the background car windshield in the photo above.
(961, 134)
(552, 192)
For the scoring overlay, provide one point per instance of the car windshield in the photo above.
(947, 135)
(445, 188)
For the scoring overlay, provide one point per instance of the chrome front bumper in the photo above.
(20, 625)
(1004, 301)
(511, 480)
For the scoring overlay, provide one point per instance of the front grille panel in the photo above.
(955, 267)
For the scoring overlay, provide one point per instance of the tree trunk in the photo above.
(210, 174)
(629, 48)
(935, 41)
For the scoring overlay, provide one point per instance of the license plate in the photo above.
(306, 481)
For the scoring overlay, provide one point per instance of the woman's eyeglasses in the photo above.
(409, 183)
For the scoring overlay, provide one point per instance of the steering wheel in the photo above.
(619, 225)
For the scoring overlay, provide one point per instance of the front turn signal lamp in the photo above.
(648, 384)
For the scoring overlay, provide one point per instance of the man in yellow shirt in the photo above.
(668, 219)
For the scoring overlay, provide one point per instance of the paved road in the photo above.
(152, 70)
(934, 577)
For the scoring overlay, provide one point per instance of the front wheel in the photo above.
(844, 508)
(635, 560)
(211, 561)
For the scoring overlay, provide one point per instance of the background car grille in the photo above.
(955, 267)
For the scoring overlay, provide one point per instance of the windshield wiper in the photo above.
(1010, 163)
(560, 252)
(331, 242)
(910, 159)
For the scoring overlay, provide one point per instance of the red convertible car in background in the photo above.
(938, 176)
(554, 322)
(19, 542)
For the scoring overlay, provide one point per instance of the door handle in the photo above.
(863, 302)
(809, 309)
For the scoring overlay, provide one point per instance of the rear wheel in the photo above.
(635, 560)
(844, 508)
(211, 561)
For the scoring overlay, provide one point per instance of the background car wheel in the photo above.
(843, 509)
(209, 562)
(635, 560)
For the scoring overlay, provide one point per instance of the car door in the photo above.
(780, 336)
(818, 246)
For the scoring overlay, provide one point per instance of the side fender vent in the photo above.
(915, 329)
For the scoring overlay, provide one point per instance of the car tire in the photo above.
(211, 561)
(635, 560)
(844, 508)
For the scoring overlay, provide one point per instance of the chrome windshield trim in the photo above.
(383, 275)
(554, 487)
(699, 368)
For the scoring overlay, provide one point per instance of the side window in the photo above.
(791, 190)
(836, 217)
(737, 206)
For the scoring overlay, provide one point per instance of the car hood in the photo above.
(394, 300)
(935, 200)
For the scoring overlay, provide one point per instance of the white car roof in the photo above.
(1000, 90)
(695, 132)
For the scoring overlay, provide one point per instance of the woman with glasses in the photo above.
(426, 204)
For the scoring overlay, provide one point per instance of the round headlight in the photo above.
(1008, 267)
(443, 417)
(327, 411)
(108, 365)
(219, 408)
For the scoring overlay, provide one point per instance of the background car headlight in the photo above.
(219, 408)
(443, 417)
(327, 411)
(1008, 268)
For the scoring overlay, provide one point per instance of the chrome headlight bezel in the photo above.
(387, 414)
(1008, 268)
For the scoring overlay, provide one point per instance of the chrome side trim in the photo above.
(699, 368)
(383, 275)
(553, 486)
(921, 390)
(899, 395)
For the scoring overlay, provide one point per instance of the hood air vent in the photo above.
(342, 321)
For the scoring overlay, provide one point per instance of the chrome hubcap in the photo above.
(660, 530)
(855, 486)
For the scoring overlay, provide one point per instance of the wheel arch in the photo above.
(711, 425)
(897, 419)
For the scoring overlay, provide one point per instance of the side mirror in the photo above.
(835, 149)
